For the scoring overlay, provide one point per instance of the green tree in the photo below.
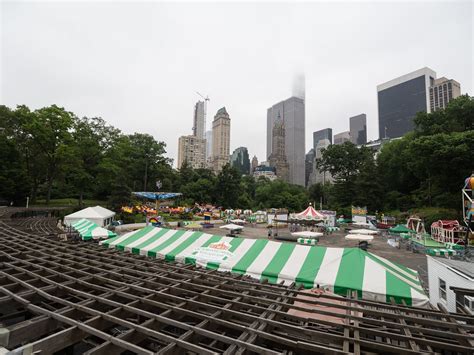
(48, 134)
(280, 194)
(13, 178)
(345, 163)
(227, 188)
(458, 116)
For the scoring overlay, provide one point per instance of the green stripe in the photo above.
(234, 244)
(86, 234)
(186, 243)
(399, 275)
(249, 257)
(398, 289)
(108, 241)
(134, 237)
(81, 221)
(84, 224)
(80, 224)
(85, 228)
(310, 267)
(414, 278)
(281, 257)
(350, 275)
(154, 238)
(213, 239)
(152, 253)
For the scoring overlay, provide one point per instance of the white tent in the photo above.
(363, 231)
(232, 227)
(307, 234)
(99, 215)
(359, 237)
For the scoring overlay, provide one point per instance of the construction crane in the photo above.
(205, 98)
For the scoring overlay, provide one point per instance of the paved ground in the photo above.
(378, 246)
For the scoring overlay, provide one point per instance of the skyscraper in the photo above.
(342, 137)
(400, 99)
(308, 164)
(292, 113)
(442, 91)
(240, 160)
(191, 150)
(199, 122)
(319, 176)
(358, 129)
(278, 158)
(254, 163)
(208, 144)
(220, 140)
(320, 135)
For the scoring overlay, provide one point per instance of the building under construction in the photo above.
(81, 298)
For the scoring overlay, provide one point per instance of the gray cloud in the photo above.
(138, 65)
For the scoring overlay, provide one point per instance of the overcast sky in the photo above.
(139, 65)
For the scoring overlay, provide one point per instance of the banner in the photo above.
(359, 214)
(359, 211)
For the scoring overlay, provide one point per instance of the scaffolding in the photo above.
(82, 298)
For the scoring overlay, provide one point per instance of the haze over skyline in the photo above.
(139, 65)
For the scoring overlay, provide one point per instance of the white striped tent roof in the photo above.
(89, 230)
(336, 269)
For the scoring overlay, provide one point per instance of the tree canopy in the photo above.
(51, 153)
(424, 168)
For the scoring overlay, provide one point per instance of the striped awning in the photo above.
(307, 241)
(89, 230)
(440, 252)
(336, 269)
(310, 214)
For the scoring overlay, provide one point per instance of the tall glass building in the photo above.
(240, 160)
(358, 129)
(292, 112)
(199, 120)
(321, 135)
(400, 99)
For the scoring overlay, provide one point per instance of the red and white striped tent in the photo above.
(310, 214)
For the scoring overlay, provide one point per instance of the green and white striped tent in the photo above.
(440, 252)
(336, 269)
(307, 241)
(89, 230)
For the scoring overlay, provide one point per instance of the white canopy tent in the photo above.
(98, 215)
(231, 227)
(359, 237)
(363, 231)
(307, 234)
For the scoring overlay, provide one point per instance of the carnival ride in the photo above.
(449, 232)
(416, 224)
(448, 237)
(468, 205)
(386, 222)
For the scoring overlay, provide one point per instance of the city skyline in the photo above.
(143, 77)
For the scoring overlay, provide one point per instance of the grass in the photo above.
(68, 202)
